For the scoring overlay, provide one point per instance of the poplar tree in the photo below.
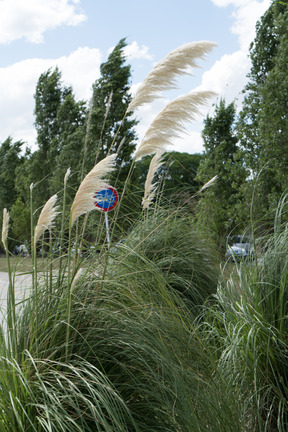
(222, 157)
(263, 123)
(111, 129)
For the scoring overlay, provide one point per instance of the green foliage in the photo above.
(262, 126)
(187, 260)
(110, 100)
(20, 216)
(176, 177)
(10, 160)
(59, 121)
(248, 330)
(135, 362)
(222, 157)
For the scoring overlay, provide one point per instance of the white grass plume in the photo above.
(163, 76)
(5, 227)
(170, 122)
(46, 218)
(208, 184)
(150, 188)
(67, 175)
(76, 278)
(93, 182)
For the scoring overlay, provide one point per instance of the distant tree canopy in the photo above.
(176, 176)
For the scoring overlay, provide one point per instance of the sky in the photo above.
(78, 35)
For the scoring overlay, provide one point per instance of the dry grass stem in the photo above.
(150, 188)
(170, 122)
(93, 182)
(46, 218)
(163, 76)
(5, 227)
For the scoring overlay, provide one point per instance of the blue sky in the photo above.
(77, 35)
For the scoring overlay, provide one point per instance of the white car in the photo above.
(240, 248)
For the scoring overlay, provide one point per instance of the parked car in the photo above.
(21, 250)
(239, 248)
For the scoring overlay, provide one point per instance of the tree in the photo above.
(222, 157)
(10, 160)
(263, 121)
(58, 120)
(176, 177)
(71, 118)
(110, 99)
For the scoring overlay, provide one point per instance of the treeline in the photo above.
(248, 151)
(76, 135)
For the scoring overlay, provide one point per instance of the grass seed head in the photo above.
(93, 182)
(5, 227)
(46, 218)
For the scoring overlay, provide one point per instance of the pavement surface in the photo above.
(22, 286)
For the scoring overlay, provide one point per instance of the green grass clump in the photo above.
(248, 328)
(188, 261)
(135, 361)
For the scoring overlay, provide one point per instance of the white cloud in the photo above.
(227, 77)
(30, 19)
(134, 51)
(192, 143)
(245, 15)
(18, 83)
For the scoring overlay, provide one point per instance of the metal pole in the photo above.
(107, 228)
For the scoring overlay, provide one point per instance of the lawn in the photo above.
(22, 264)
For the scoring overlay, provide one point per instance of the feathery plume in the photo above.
(163, 76)
(169, 123)
(67, 175)
(121, 144)
(93, 182)
(208, 184)
(5, 226)
(150, 188)
(46, 218)
(108, 105)
(78, 275)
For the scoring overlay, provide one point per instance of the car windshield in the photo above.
(239, 240)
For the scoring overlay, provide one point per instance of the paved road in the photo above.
(22, 285)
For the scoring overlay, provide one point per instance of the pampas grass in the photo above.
(46, 218)
(150, 188)
(110, 344)
(93, 182)
(162, 77)
(170, 122)
(208, 184)
(67, 175)
(5, 226)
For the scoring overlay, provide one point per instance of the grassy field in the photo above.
(22, 264)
